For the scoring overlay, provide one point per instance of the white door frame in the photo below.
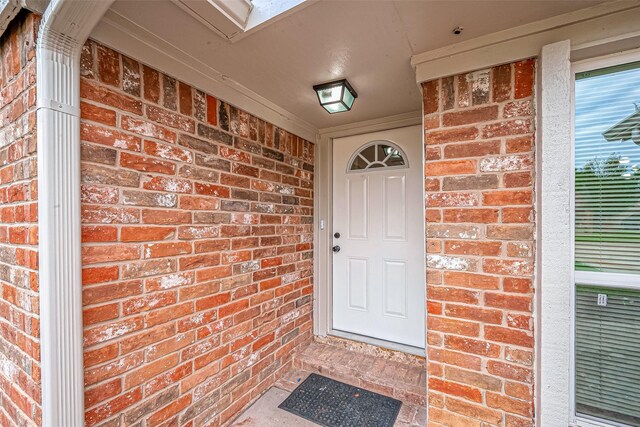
(323, 208)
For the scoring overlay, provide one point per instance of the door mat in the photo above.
(331, 403)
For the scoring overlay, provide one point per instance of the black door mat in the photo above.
(331, 403)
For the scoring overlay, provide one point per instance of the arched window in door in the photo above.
(377, 155)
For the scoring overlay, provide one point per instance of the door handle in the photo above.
(336, 248)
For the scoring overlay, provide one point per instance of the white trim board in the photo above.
(610, 22)
(367, 126)
(554, 188)
(123, 35)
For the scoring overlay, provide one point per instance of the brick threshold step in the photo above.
(404, 380)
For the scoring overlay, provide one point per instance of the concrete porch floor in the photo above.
(389, 373)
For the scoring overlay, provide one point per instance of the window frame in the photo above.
(595, 278)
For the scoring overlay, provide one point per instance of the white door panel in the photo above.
(378, 274)
(394, 284)
(357, 283)
(358, 206)
(395, 208)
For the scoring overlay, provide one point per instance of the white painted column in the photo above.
(64, 29)
(555, 237)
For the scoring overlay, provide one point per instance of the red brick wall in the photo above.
(19, 305)
(197, 248)
(479, 196)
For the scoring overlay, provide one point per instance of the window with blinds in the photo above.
(607, 244)
(607, 354)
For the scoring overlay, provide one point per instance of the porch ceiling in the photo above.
(369, 42)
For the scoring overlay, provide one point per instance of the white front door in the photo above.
(378, 226)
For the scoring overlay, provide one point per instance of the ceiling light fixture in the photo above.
(337, 96)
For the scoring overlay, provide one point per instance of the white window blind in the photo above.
(608, 171)
(607, 244)
(607, 354)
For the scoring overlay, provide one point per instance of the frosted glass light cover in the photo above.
(347, 99)
(330, 94)
(337, 107)
(336, 97)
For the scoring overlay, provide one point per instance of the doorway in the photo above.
(377, 240)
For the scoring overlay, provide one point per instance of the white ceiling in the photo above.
(368, 42)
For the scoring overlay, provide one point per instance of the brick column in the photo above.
(479, 141)
(20, 374)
